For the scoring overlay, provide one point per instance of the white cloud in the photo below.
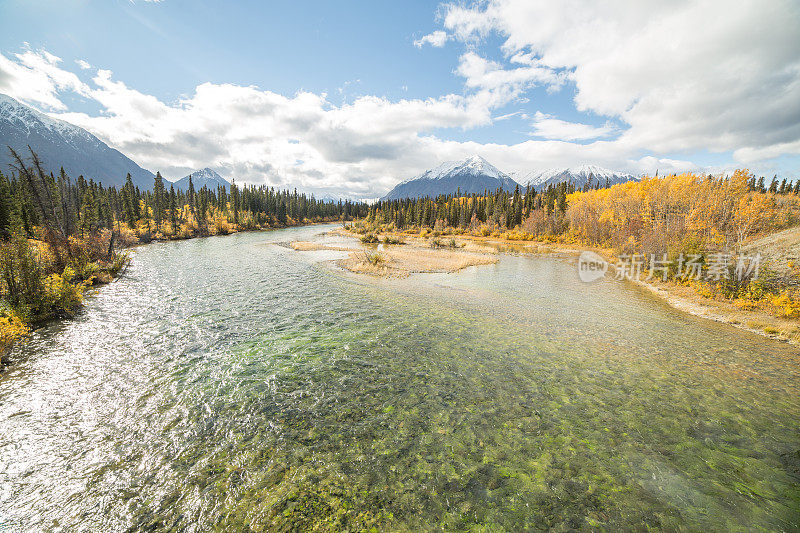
(687, 75)
(734, 96)
(436, 39)
(36, 78)
(484, 74)
(83, 64)
(360, 148)
(496, 86)
(548, 127)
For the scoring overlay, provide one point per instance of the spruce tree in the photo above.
(6, 207)
(173, 209)
(158, 200)
(88, 212)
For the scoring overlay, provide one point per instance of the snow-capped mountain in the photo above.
(328, 198)
(61, 144)
(472, 175)
(580, 176)
(202, 178)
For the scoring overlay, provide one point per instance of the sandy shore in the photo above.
(400, 260)
(757, 321)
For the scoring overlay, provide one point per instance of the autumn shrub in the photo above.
(119, 261)
(540, 223)
(785, 304)
(12, 329)
(359, 228)
(221, 226)
(23, 279)
(374, 258)
(660, 213)
(514, 235)
(186, 231)
(29, 293)
(746, 304)
(93, 246)
(82, 267)
(126, 237)
(62, 294)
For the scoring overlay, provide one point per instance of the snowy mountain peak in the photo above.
(471, 175)
(30, 120)
(580, 176)
(61, 144)
(205, 177)
(206, 174)
(477, 163)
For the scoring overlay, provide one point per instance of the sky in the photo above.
(349, 98)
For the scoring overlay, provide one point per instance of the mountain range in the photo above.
(580, 176)
(472, 175)
(61, 144)
(202, 178)
(476, 175)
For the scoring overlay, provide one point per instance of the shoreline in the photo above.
(681, 298)
(98, 284)
(723, 312)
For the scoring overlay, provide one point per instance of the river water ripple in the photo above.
(233, 383)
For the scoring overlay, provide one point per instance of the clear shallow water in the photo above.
(229, 383)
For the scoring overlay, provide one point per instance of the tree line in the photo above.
(32, 198)
(499, 208)
(59, 235)
(526, 208)
(671, 217)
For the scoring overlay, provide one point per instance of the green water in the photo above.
(230, 383)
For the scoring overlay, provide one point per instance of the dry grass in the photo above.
(414, 255)
(400, 262)
(778, 248)
(305, 246)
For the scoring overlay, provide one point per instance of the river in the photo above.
(233, 383)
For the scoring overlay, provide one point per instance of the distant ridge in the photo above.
(579, 176)
(472, 175)
(202, 178)
(61, 144)
(476, 175)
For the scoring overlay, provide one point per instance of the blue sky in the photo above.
(171, 47)
(521, 83)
